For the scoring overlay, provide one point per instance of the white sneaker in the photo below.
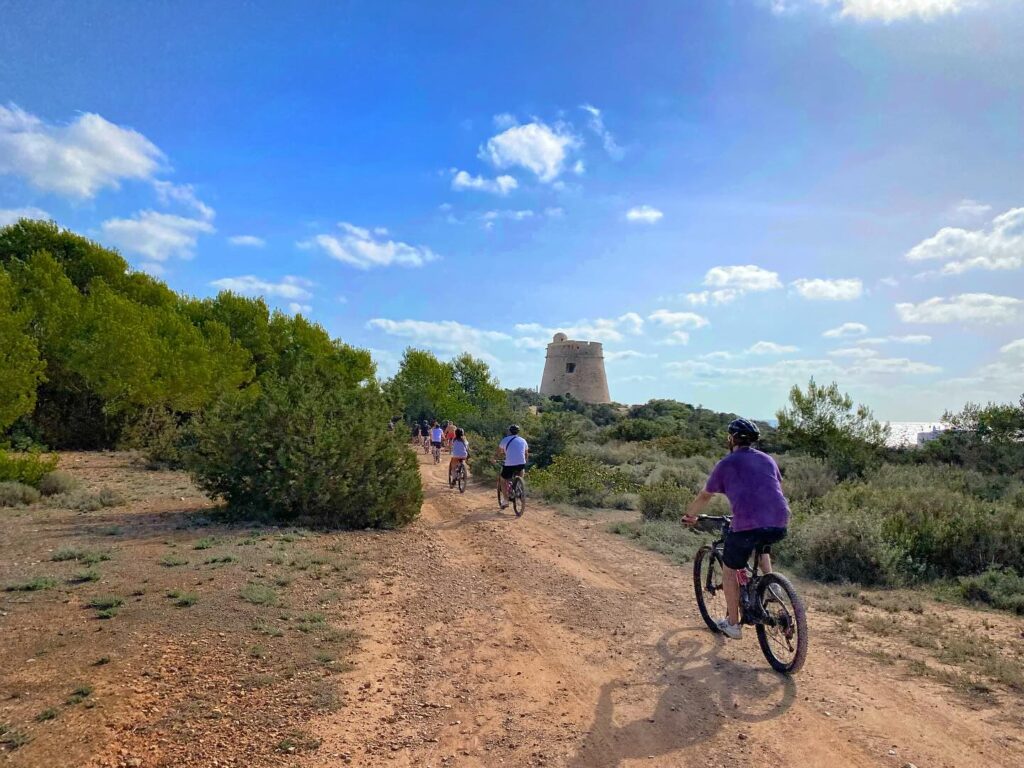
(732, 631)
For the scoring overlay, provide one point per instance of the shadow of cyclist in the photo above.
(695, 688)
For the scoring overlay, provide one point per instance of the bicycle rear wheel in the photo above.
(518, 497)
(460, 479)
(783, 637)
(708, 586)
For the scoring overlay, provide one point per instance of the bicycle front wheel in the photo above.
(460, 480)
(518, 497)
(783, 635)
(709, 586)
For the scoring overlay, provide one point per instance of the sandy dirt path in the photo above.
(496, 641)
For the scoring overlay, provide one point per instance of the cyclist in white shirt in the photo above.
(460, 452)
(436, 435)
(516, 452)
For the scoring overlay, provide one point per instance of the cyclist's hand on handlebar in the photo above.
(688, 520)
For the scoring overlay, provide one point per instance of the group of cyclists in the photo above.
(747, 477)
(513, 449)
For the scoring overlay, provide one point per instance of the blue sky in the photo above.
(732, 195)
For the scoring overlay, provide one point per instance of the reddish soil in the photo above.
(470, 638)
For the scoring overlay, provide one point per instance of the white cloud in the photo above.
(1013, 348)
(676, 339)
(156, 236)
(444, 335)
(596, 124)
(247, 241)
(554, 213)
(501, 185)
(537, 336)
(818, 289)
(645, 214)
(299, 309)
(541, 149)
(722, 355)
(913, 338)
(183, 194)
(365, 250)
(771, 348)
(845, 331)
(785, 372)
(511, 215)
(11, 215)
(1000, 246)
(678, 319)
(855, 352)
(74, 160)
(290, 287)
(731, 282)
(628, 354)
(971, 208)
(895, 10)
(505, 120)
(965, 308)
(747, 277)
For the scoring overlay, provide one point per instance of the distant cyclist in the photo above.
(425, 432)
(515, 452)
(436, 435)
(752, 482)
(449, 434)
(460, 452)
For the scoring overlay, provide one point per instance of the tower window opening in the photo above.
(570, 367)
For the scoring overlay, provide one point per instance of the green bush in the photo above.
(311, 446)
(578, 480)
(17, 494)
(691, 474)
(27, 468)
(833, 548)
(998, 587)
(160, 434)
(56, 482)
(664, 501)
(630, 501)
(804, 477)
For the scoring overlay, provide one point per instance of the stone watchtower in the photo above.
(575, 368)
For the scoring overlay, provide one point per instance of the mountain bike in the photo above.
(436, 450)
(768, 601)
(459, 478)
(515, 492)
(426, 445)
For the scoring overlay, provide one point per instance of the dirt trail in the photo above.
(492, 640)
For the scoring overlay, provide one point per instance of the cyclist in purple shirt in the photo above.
(752, 482)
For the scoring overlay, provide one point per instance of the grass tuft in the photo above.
(33, 585)
(258, 594)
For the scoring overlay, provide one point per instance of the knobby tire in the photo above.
(797, 617)
(707, 560)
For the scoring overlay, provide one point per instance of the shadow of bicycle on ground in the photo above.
(696, 692)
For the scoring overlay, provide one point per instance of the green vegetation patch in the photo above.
(258, 594)
(32, 585)
(666, 537)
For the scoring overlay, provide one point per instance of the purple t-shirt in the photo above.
(752, 482)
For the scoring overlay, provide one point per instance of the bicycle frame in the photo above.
(750, 611)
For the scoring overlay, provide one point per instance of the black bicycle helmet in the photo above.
(459, 432)
(514, 429)
(744, 428)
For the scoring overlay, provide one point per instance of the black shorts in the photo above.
(508, 472)
(436, 443)
(740, 545)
